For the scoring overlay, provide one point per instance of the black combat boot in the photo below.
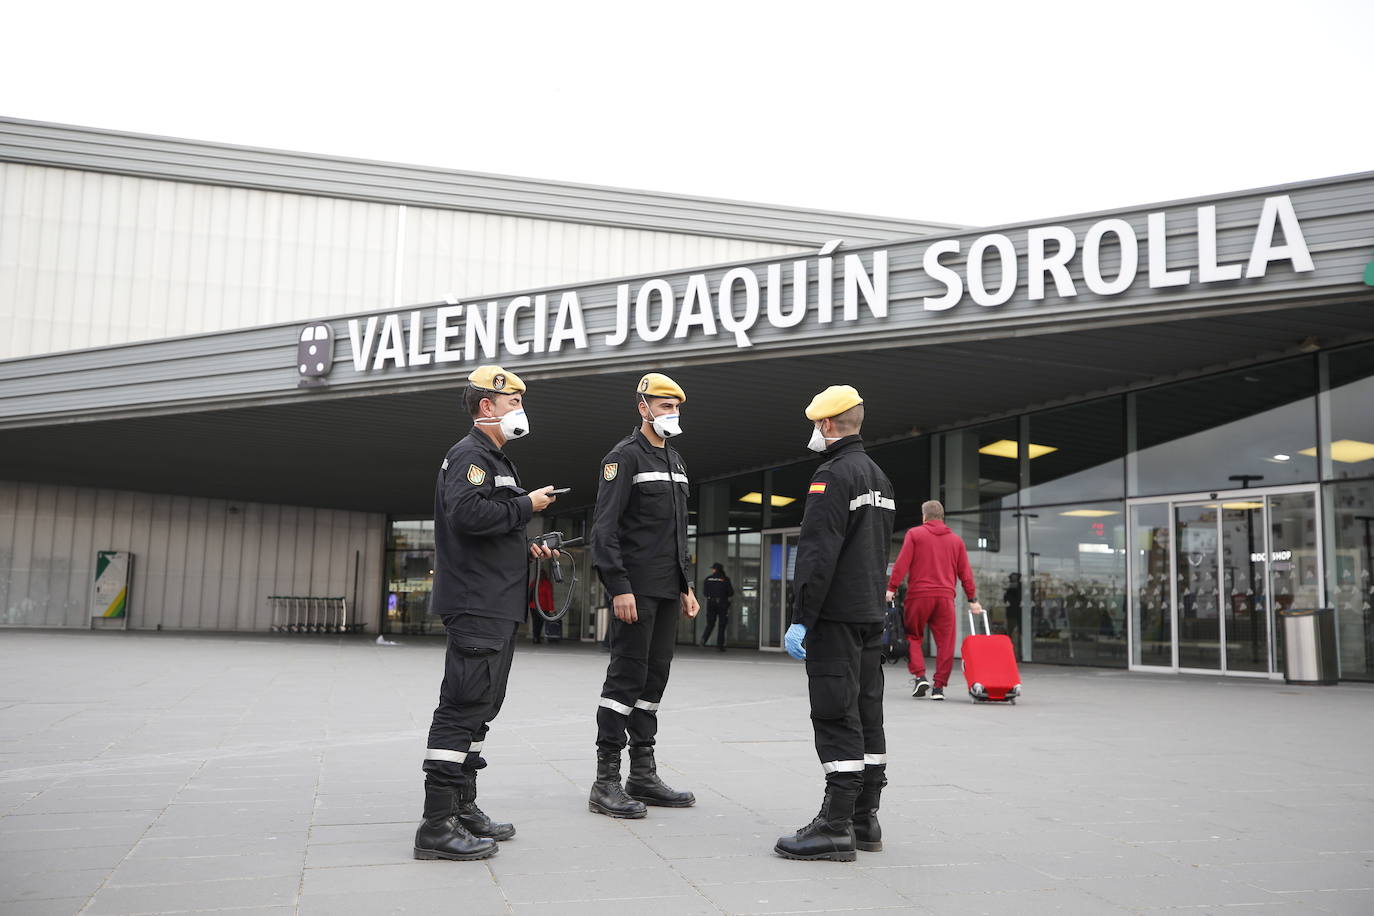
(473, 817)
(829, 836)
(608, 796)
(442, 835)
(645, 786)
(868, 835)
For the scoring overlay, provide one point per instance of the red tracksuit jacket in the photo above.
(934, 557)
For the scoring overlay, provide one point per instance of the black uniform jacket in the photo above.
(846, 533)
(481, 557)
(639, 533)
(718, 589)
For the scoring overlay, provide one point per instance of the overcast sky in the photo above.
(977, 113)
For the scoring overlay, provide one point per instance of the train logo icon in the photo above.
(314, 355)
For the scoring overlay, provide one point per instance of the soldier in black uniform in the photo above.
(639, 549)
(481, 561)
(719, 591)
(837, 627)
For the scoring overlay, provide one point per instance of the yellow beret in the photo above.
(833, 401)
(658, 385)
(494, 378)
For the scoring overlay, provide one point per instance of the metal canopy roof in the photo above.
(380, 453)
(143, 155)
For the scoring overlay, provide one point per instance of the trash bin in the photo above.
(1309, 645)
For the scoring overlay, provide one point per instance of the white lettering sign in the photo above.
(832, 288)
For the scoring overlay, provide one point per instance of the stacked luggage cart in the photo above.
(311, 614)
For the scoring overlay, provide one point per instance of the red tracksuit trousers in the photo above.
(935, 612)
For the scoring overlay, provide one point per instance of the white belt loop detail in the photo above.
(660, 476)
(646, 705)
(871, 498)
(621, 708)
(503, 481)
(843, 766)
(873, 760)
(439, 753)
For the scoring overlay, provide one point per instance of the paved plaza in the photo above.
(169, 773)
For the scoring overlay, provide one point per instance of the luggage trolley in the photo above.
(311, 614)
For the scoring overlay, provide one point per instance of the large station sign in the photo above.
(1052, 262)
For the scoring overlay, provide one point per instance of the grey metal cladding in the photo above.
(257, 366)
(91, 149)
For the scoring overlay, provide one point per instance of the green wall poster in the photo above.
(110, 600)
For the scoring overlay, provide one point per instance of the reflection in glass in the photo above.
(1349, 513)
(1196, 436)
(1075, 573)
(1244, 602)
(779, 567)
(1294, 573)
(1348, 421)
(409, 578)
(1199, 630)
(1088, 442)
(1151, 617)
(979, 467)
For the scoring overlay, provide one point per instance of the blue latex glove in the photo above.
(793, 641)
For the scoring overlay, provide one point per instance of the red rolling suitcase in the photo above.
(990, 665)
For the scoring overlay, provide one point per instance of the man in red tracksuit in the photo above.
(934, 557)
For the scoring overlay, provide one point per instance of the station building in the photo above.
(1153, 427)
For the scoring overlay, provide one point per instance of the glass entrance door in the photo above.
(1208, 572)
(779, 562)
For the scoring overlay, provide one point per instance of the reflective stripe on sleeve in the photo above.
(646, 705)
(621, 708)
(439, 753)
(661, 476)
(504, 481)
(871, 498)
(873, 760)
(843, 766)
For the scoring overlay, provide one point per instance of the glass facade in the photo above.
(1162, 528)
(1254, 427)
(409, 578)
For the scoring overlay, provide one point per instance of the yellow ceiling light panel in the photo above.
(776, 501)
(1089, 513)
(1346, 451)
(1006, 448)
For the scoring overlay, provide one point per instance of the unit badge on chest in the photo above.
(476, 476)
(610, 470)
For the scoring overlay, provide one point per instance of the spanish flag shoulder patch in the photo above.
(817, 487)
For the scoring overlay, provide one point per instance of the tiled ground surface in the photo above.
(158, 773)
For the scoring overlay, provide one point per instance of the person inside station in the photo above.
(719, 591)
(639, 550)
(481, 570)
(837, 628)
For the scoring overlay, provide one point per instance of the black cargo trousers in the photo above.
(476, 668)
(844, 674)
(641, 654)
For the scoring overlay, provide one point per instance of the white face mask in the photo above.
(668, 425)
(818, 441)
(513, 425)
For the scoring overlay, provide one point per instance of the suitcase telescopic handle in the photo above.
(973, 627)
